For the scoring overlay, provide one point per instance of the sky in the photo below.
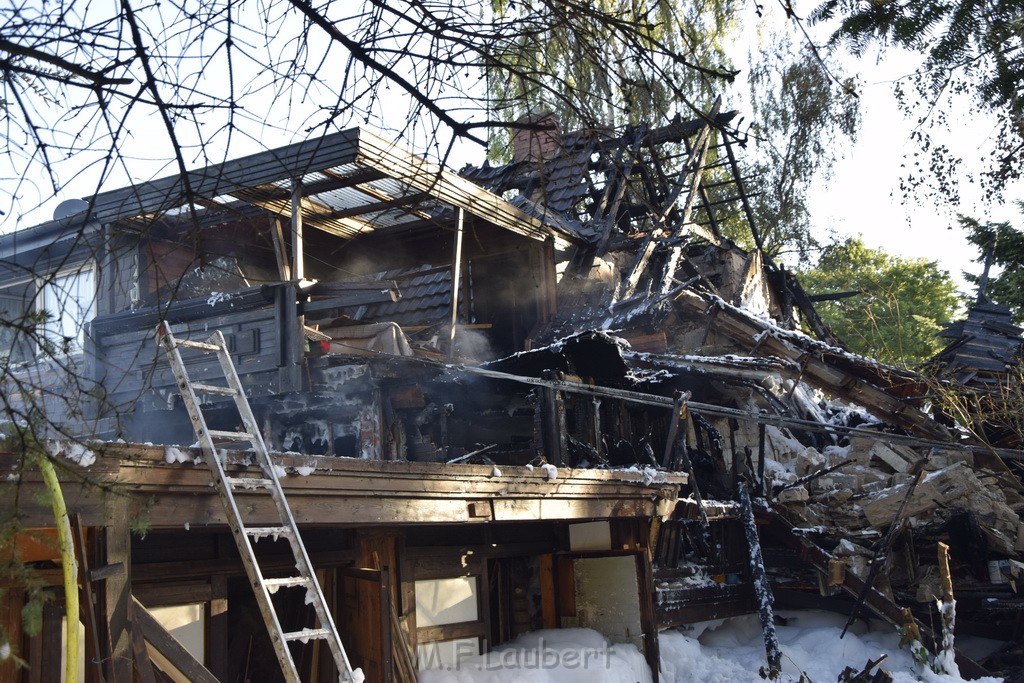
(863, 196)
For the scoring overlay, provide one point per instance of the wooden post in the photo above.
(946, 656)
(762, 589)
(667, 461)
(117, 591)
(947, 579)
(94, 656)
(284, 270)
(456, 280)
(648, 617)
(548, 599)
(290, 323)
(554, 422)
(218, 628)
(298, 260)
(760, 460)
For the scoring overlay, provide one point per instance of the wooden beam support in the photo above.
(169, 649)
(741, 327)
(93, 650)
(117, 592)
(456, 280)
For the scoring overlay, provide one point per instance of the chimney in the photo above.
(542, 141)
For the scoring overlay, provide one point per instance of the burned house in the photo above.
(528, 396)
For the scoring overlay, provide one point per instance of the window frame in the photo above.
(53, 329)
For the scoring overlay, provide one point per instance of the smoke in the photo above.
(474, 345)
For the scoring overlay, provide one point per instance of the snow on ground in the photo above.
(714, 652)
(572, 655)
(734, 652)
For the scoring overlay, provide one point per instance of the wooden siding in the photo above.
(350, 491)
(131, 365)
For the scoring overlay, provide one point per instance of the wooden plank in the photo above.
(143, 665)
(565, 589)
(94, 652)
(468, 629)
(377, 492)
(117, 591)
(165, 594)
(451, 188)
(648, 618)
(548, 592)
(11, 602)
(821, 374)
(218, 628)
(164, 643)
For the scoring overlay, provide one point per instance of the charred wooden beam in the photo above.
(762, 589)
(743, 328)
(878, 603)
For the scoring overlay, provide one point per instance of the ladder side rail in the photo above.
(304, 564)
(234, 517)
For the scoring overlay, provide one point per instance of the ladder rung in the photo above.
(202, 346)
(210, 389)
(230, 436)
(267, 531)
(287, 582)
(248, 482)
(307, 634)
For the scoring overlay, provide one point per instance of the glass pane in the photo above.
(186, 624)
(446, 601)
(16, 344)
(70, 302)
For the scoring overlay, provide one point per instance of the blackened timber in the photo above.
(643, 256)
(760, 458)
(821, 369)
(751, 223)
(762, 589)
(290, 345)
(555, 433)
(575, 387)
(678, 410)
(881, 605)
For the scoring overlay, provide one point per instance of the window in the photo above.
(448, 623)
(69, 299)
(17, 322)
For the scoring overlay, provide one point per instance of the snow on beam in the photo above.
(815, 358)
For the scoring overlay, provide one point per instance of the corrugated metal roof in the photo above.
(353, 182)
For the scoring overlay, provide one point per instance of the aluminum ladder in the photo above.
(244, 534)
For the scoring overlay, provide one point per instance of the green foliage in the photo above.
(901, 305)
(971, 48)
(917, 649)
(802, 118)
(612, 64)
(14, 572)
(1007, 288)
